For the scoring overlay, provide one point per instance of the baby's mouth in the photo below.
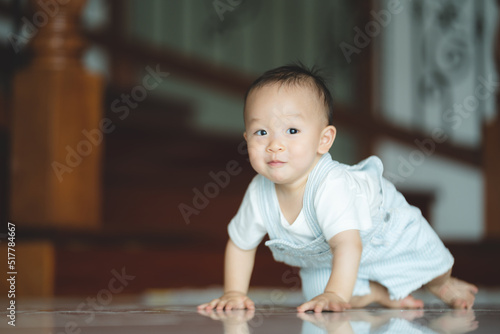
(276, 163)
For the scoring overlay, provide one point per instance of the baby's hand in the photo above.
(327, 301)
(233, 317)
(232, 300)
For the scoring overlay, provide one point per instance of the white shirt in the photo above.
(346, 200)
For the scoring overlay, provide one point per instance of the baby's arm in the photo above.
(346, 249)
(238, 265)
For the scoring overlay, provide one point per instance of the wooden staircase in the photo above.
(152, 162)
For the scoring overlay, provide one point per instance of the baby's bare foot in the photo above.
(456, 293)
(405, 303)
(379, 294)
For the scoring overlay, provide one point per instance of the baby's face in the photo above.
(285, 128)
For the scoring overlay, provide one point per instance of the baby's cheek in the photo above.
(253, 155)
(254, 149)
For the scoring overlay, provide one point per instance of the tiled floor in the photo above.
(174, 312)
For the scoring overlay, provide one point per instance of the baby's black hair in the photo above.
(296, 74)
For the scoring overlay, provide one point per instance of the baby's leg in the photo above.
(454, 292)
(380, 295)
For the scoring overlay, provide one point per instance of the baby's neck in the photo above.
(291, 189)
(290, 200)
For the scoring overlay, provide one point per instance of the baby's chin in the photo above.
(271, 177)
(277, 179)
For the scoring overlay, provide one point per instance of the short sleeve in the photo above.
(247, 228)
(342, 204)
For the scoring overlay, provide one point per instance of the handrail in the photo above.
(192, 68)
(235, 82)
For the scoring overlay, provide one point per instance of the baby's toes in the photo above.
(464, 303)
(412, 303)
(470, 300)
(460, 304)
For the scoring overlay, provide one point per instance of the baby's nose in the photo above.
(275, 146)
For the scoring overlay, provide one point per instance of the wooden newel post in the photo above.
(57, 135)
(491, 158)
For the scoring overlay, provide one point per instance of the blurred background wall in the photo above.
(121, 126)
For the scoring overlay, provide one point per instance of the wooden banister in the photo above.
(57, 130)
(234, 82)
(197, 70)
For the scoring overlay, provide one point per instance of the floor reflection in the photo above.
(359, 321)
(134, 315)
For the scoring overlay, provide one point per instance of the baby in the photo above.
(354, 236)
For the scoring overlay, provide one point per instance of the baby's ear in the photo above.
(327, 138)
(245, 135)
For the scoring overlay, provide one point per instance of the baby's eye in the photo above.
(292, 131)
(261, 132)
